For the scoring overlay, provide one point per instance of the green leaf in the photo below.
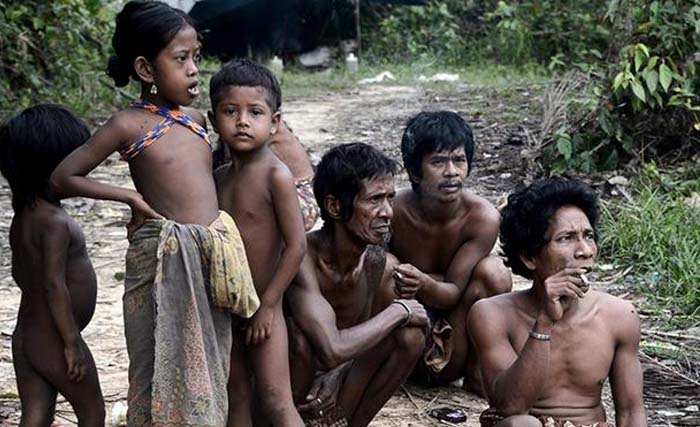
(652, 80)
(676, 101)
(665, 76)
(652, 62)
(564, 146)
(638, 59)
(660, 100)
(643, 48)
(638, 90)
(618, 80)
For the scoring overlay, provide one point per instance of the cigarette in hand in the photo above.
(398, 275)
(586, 282)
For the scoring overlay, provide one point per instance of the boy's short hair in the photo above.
(244, 72)
(526, 218)
(32, 144)
(342, 169)
(428, 132)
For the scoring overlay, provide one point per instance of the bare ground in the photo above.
(370, 114)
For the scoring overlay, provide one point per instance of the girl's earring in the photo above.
(273, 131)
(154, 90)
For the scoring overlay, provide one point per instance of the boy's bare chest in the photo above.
(247, 198)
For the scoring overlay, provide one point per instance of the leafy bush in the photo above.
(658, 235)
(554, 32)
(655, 84)
(461, 32)
(54, 52)
(430, 32)
(648, 103)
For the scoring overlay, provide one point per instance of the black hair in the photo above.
(342, 169)
(244, 72)
(526, 218)
(32, 144)
(428, 132)
(144, 28)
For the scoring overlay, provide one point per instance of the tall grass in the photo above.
(658, 235)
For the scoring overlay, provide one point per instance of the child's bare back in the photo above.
(59, 289)
(50, 265)
(37, 270)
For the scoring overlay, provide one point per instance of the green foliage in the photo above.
(647, 91)
(54, 52)
(657, 73)
(556, 32)
(658, 235)
(430, 32)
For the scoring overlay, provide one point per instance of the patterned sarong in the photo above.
(492, 416)
(179, 345)
(307, 201)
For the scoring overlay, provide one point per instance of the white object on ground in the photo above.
(618, 180)
(384, 75)
(439, 77)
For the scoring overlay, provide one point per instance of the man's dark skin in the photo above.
(547, 350)
(343, 315)
(450, 269)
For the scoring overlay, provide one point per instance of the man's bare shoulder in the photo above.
(501, 306)
(404, 199)
(620, 315)
(493, 319)
(480, 209)
(509, 299)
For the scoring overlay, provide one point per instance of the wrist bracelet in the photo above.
(408, 311)
(540, 337)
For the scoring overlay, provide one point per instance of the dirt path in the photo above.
(372, 114)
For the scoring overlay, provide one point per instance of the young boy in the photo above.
(51, 266)
(287, 147)
(258, 190)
